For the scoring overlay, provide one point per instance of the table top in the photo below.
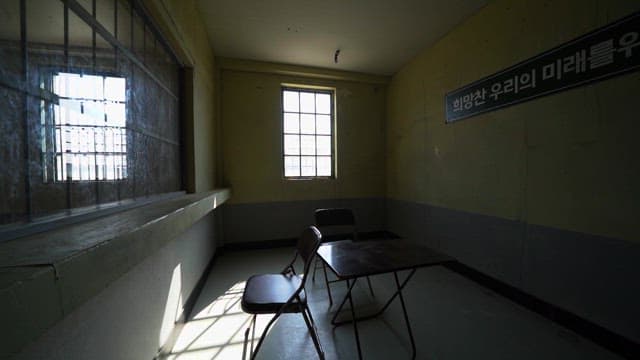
(371, 257)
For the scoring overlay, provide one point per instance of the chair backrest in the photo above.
(307, 246)
(336, 218)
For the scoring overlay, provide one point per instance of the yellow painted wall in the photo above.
(565, 161)
(181, 23)
(251, 124)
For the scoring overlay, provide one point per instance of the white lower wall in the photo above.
(133, 316)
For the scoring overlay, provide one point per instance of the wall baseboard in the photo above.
(190, 303)
(187, 308)
(611, 341)
(275, 243)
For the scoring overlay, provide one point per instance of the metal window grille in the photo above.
(81, 147)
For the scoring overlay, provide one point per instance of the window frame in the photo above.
(332, 118)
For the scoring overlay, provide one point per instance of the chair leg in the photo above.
(244, 345)
(308, 319)
(252, 325)
(253, 331)
(370, 287)
(326, 281)
(315, 267)
(264, 334)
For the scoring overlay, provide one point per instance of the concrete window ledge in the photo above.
(43, 277)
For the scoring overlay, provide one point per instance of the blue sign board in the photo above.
(609, 51)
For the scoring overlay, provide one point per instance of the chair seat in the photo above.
(335, 239)
(266, 293)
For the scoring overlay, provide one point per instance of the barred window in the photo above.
(89, 110)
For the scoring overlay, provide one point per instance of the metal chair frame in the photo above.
(308, 244)
(333, 217)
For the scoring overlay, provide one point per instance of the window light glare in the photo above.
(90, 136)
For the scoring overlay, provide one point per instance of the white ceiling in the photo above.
(374, 36)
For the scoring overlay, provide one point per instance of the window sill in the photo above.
(45, 276)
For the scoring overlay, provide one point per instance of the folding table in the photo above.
(352, 260)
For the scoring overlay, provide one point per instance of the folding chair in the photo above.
(340, 219)
(282, 293)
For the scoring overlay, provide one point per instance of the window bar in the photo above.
(315, 132)
(107, 36)
(95, 163)
(93, 36)
(50, 116)
(68, 170)
(144, 43)
(112, 135)
(25, 111)
(66, 35)
(132, 116)
(61, 175)
(115, 48)
(332, 131)
(117, 67)
(131, 12)
(94, 60)
(300, 134)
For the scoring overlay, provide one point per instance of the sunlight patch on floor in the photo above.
(217, 332)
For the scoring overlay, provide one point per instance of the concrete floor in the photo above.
(451, 317)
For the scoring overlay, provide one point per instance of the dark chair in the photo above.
(333, 223)
(282, 293)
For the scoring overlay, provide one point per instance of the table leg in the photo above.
(344, 300)
(382, 309)
(326, 281)
(350, 285)
(355, 322)
(354, 319)
(404, 311)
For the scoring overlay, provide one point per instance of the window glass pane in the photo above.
(290, 101)
(323, 103)
(64, 83)
(93, 113)
(291, 123)
(73, 85)
(323, 124)
(291, 166)
(108, 140)
(324, 165)
(89, 87)
(292, 145)
(110, 167)
(323, 144)
(114, 89)
(70, 112)
(307, 124)
(308, 144)
(102, 167)
(100, 139)
(308, 166)
(307, 102)
(116, 115)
